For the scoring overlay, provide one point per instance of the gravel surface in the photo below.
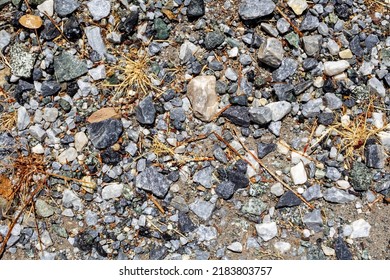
(194, 129)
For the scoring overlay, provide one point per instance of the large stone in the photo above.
(213, 40)
(332, 68)
(204, 177)
(254, 9)
(22, 62)
(23, 119)
(238, 115)
(298, 6)
(360, 228)
(267, 231)
(153, 181)
(67, 67)
(288, 199)
(279, 109)
(313, 220)
(376, 87)
(5, 39)
(105, 133)
(95, 39)
(203, 98)
(271, 52)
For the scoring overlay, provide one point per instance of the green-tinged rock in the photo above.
(162, 30)
(385, 57)
(65, 105)
(361, 92)
(22, 62)
(333, 18)
(360, 177)
(293, 39)
(254, 206)
(67, 67)
(43, 209)
(60, 231)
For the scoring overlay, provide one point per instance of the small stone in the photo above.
(5, 39)
(95, 39)
(195, 9)
(360, 228)
(254, 9)
(282, 25)
(282, 247)
(235, 247)
(298, 6)
(332, 101)
(23, 119)
(286, 69)
(80, 140)
(260, 115)
(203, 97)
(38, 149)
(332, 173)
(43, 209)
(309, 23)
(50, 114)
(264, 149)
(65, 7)
(355, 47)
(47, 7)
(326, 118)
(206, 233)
(213, 40)
(105, 133)
(346, 54)
(99, 8)
(69, 199)
(50, 88)
(238, 115)
(376, 87)
(67, 156)
(279, 109)
(267, 231)
(342, 250)
(145, 112)
(158, 253)
(288, 199)
(22, 62)
(91, 218)
(204, 177)
(231, 75)
(112, 191)
(37, 132)
(271, 52)
(128, 26)
(98, 73)
(270, 29)
(152, 180)
(185, 223)
(293, 39)
(202, 209)
(313, 192)
(67, 67)
(72, 29)
(298, 174)
(309, 64)
(254, 207)
(312, 44)
(375, 156)
(313, 220)
(219, 154)
(161, 28)
(225, 190)
(338, 196)
(277, 189)
(332, 68)
(360, 176)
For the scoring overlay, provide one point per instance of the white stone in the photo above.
(112, 191)
(23, 118)
(186, 50)
(80, 140)
(378, 119)
(360, 228)
(328, 251)
(298, 6)
(47, 7)
(98, 73)
(99, 8)
(50, 114)
(366, 68)
(38, 149)
(384, 137)
(267, 231)
(279, 109)
(298, 174)
(277, 189)
(333, 47)
(282, 247)
(235, 247)
(343, 184)
(296, 158)
(346, 54)
(67, 156)
(233, 52)
(376, 86)
(332, 68)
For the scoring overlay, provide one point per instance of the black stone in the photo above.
(343, 11)
(72, 89)
(195, 9)
(326, 118)
(238, 178)
(105, 133)
(100, 250)
(49, 31)
(67, 139)
(173, 176)
(225, 190)
(213, 40)
(355, 46)
(21, 88)
(50, 88)
(309, 64)
(7, 144)
(342, 250)
(111, 157)
(289, 199)
(329, 86)
(302, 87)
(185, 223)
(72, 29)
(264, 149)
(129, 24)
(158, 253)
(177, 114)
(145, 112)
(238, 115)
(241, 100)
(84, 241)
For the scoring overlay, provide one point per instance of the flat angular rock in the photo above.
(225, 190)
(309, 23)
(105, 133)
(153, 181)
(313, 220)
(375, 156)
(5, 39)
(112, 191)
(271, 52)
(338, 196)
(145, 112)
(65, 7)
(264, 149)
(203, 97)
(67, 156)
(206, 233)
(288, 199)
(238, 115)
(50, 88)
(235, 247)
(67, 67)
(43, 209)
(313, 192)
(185, 223)
(267, 231)
(254, 9)
(22, 62)
(260, 115)
(360, 228)
(342, 250)
(202, 209)
(204, 177)
(279, 109)
(376, 87)
(332, 68)
(286, 69)
(196, 8)
(95, 39)
(312, 44)
(99, 8)
(298, 174)
(23, 119)
(332, 101)
(213, 40)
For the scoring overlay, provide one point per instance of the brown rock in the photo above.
(103, 114)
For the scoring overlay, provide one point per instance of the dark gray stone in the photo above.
(219, 154)
(309, 23)
(153, 181)
(342, 250)
(225, 189)
(238, 115)
(196, 9)
(145, 112)
(213, 40)
(360, 177)
(129, 25)
(288, 199)
(375, 156)
(204, 177)
(67, 67)
(286, 69)
(50, 88)
(254, 9)
(105, 133)
(7, 144)
(371, 41)
(313, 220)
(65, 7)
(355, 47)
(309, 64)
(178, 114)
(185, 223)
(158, 253)
(284, 91)
(264, 149)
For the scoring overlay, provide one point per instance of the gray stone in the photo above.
(264, 149)
(254, 9)
(67, 67)
(360, 177)
(312, 44)
(313, 192)
(219, 154)
(145, 112)
(114, 37)
(282, 25)
(69, 199)
(196, 8)
(153, 181)
(65, 7)
(260, 115)
(235, 247)
(254, 206)
(37, 132)
(286, 69)
(95, 39)
(267, 231)
(355, 47)
(376, 87)
(360, 228)
(271, 52)
(213, 40)
(312, 108)
(112, 191)
(309, 64)
(238, 115)
(50, 88)
(23, 119)
(332, 101)
(245, 59)
(323, 29)
(288, 199)
(270, 29)
(5, 39)
(67, 156)
(50, 114)
(202, 209)
(185, 223)
(231, 74)
(98, 73)
(22, 62)
(313, 220)
(43, 209)
(309, 23)
(225, 189)
(282, 247)
(275, 128)
(91, 218)
(342, 250)
(332, 173)
(206, 233)
(333, 47)
(99, 8)
(203, 97)
(204, 177)
(105, 133)
(277, 189)
(375, 156)
(338, 196)
(279, 109)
